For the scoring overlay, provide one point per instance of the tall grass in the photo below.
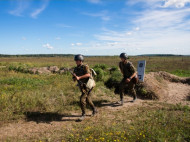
(23, 93)
(169, 64)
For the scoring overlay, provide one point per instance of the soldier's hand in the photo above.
(127, 80)
(77, 78)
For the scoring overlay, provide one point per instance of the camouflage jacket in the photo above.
(82, 70)
(127, 69)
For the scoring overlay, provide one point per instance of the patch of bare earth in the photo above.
(167, 88)
(177, 93)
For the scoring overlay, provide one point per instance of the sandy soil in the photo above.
(172, 93)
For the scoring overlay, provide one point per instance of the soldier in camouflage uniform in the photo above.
(82, 74)
(128, 71)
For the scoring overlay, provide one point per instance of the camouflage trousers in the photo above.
(130, 88)
(84, 99)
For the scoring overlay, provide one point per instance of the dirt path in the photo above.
(177, 93)
(29, 129)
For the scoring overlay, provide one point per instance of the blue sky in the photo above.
(95, 27)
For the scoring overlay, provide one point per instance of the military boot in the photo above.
(94, 112)
(134, 99)
(122, 102)
(81, 118)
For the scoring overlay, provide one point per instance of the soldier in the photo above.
(82, 75)
(128, 71)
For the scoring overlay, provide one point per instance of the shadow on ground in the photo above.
(188, 98)
(99, 103)
(103, 103)
(47, 117)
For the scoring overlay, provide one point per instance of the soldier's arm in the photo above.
(133, 75)
(86, 75)
(83, 76)
(133, 71)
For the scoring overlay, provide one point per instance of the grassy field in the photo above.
(22, 94)
(179, 65)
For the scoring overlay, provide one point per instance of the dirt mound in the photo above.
(64, 70)
(53, 69)
(173, 78)
(44, 70)
(156, 85)
(49, 70)
(164, 86)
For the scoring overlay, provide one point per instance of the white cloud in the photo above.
(63, 26)
(103, 15)
(94, 1)
(137, 28)
(78, 44)
(112, 43)
(138, 48)
(48, 46)
(57, 38)
(41, 9)
(159, 3)
(156, 19)
(145, 42)
(105, 18)
(175, 3)
(24, 6)
(21, 6)
(129, 33)
(23, 38)
(146, 3)
(163, 31)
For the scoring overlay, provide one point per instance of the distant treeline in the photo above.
(37, 55)
(162, 55)
(67, 55)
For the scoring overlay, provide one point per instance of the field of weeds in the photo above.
(43, 107)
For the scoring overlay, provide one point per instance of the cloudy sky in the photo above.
(95, 27)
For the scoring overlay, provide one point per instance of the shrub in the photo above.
(113, 81)
(18, 67)
(113, 69)
(100, 74)
(101, 66)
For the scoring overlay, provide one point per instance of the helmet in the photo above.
(124, 56)
(79, 57)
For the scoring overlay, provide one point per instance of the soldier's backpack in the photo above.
(91, 83)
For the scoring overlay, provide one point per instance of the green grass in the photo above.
(141, 124)
(147, 124)
(181, 73)
(22, 93)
